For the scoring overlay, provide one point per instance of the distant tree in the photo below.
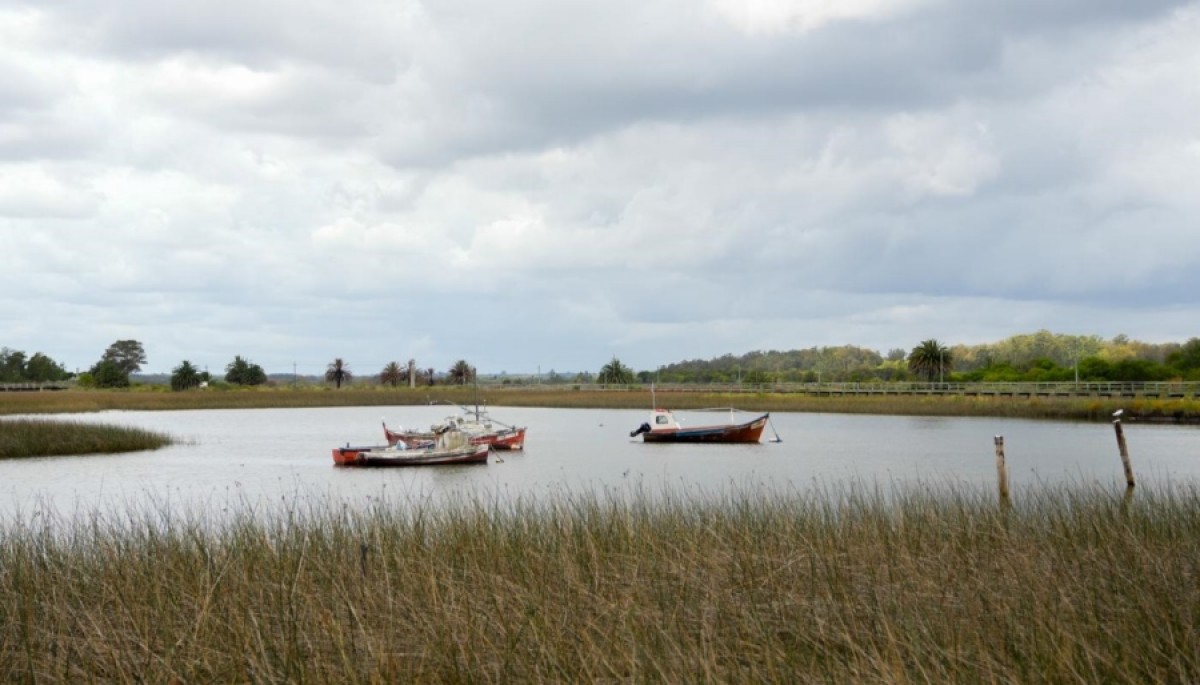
(1095, 369)
(337, 372)
(242, 372)
(615, 373)
(461, 373)
(12, 366)
(185, 376)
(393, 374)
(1187, 357)
(757, 377)
(43, 369)
(930, 359)
(107, 374)
(1139, 370)
(429, 375)
(128, 356)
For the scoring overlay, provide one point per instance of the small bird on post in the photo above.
(1124, 450)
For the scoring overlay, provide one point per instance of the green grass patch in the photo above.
(844, 585)
(42, 438)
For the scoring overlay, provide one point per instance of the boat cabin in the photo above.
(664, 420)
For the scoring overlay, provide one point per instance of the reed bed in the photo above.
(1078, 408)
(845, 584)
(42, 438)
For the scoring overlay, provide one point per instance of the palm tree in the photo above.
(241, 372)
(930, 359)
(615, 373)
(392, 374)
(338, 372)
(461, 373)
(184, 376)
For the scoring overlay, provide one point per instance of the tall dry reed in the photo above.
(846, 584)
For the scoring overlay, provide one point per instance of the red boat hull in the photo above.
(507, 440)
(751, 431)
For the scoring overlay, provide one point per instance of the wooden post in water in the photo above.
(1001, 469)
(1123, 449)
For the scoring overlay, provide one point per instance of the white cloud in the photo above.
(778, 16)
(657, 180)
(31, 190)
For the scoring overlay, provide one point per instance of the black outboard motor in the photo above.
(644, 428)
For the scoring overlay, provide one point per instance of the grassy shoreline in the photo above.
(845, 585)
(46, 438)
(1076, 409)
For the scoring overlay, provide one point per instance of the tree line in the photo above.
(124, 358)
(1036, 357)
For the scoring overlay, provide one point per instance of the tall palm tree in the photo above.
(930, 359)
(392, 374)
(615, 373)
(461, 373)
(185, 376)
(338, 372)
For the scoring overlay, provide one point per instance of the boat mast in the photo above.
(475, 375)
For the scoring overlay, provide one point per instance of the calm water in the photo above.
(275, 457)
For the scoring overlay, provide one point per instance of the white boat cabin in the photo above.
(663, 419)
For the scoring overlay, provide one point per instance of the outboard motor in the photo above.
(644, 428)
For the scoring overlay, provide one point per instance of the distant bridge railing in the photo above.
(33, 387)
(1150, 389)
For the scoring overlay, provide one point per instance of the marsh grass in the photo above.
(41, 438)
(848, 584)
(635, 397)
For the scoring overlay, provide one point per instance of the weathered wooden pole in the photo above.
(1001, 469)
(1123, 448)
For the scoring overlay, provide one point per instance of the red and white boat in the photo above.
(451, 447)
(481, 430)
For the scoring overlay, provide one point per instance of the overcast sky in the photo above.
(545, 184)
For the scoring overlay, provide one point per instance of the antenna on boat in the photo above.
(653, 403)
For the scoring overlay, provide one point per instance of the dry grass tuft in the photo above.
(846, 585)
(41, 438)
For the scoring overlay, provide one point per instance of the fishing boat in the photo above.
(451, 447)
(664, 427)
(479, 427)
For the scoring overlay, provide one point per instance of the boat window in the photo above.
(660, 419)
